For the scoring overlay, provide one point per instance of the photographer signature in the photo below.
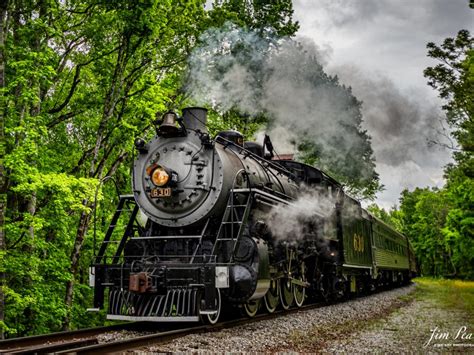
(461, 335)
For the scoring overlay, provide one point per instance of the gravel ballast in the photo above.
(326, 329)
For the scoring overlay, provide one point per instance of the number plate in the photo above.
(160, 192)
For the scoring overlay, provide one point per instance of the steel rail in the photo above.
(53, 348)
(159, 338)
(8, 345)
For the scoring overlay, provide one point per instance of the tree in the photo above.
(275, 17)
(440, 223)
(391, 217)
(454, 80)
(82, 80)
(453, 77)
(129, 55)
(3, 188)
(423, 216)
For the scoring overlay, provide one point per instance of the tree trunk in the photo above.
(3, 182)
(34, 112)
(31, 209)
(95, 170)
(75, 255)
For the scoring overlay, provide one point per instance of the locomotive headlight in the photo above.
(160, 177)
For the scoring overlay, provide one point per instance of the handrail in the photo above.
(275, 166)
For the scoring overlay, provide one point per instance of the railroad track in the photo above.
(162, 337)
(59, 341)
(85, 341)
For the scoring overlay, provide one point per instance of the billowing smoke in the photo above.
(376, 52)
(401, 124)
(284, 80)
(311, 215)
(222, 69)
(408, 137)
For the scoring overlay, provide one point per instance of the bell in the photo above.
(168, 124)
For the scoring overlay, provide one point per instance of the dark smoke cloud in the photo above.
(402, 125)
(379, 48)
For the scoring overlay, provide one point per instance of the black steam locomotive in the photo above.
(198, 239)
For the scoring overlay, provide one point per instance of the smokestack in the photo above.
(195, 118)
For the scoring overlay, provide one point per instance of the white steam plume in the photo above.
(311, 215)
(234, 68)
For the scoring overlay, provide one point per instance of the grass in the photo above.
(451, 294)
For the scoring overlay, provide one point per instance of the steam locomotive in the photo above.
(197, 240)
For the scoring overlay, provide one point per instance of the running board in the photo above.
(153, 319)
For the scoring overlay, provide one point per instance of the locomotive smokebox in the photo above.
(195, 118)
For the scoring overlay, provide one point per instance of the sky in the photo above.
(378, 47)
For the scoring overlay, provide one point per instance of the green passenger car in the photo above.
(372, 249)
(390, 248)
(356, 231)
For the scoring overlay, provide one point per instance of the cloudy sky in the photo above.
(378, 47)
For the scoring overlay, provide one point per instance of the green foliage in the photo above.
(273, 17)
(454, 80)
(459, 227)
(83, 79)
(38, 268)
(439, 223)
(423, 215)
(453, 77)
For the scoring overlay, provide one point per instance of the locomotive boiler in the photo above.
(206, 246)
